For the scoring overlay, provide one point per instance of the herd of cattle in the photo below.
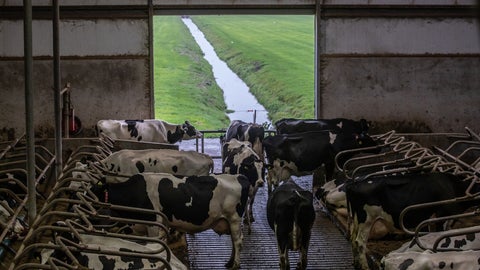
(163, 191)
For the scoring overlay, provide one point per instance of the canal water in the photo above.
(236, 93)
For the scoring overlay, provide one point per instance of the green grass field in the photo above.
(273, 54)
(184, 85)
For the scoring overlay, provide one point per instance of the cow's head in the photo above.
(253, 168)
(190, 132)
(364, 140)
(364, 125)
(245, 161)
(18, 226)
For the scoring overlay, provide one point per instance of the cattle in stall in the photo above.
(127, 162)
(239, 158)
(461, 239)
(125, 254)
(130, 162)
(303, 153)
(191, 204)
(290, 214)
(454, 250)
(337, 125)
(332, 195)
(452, 260)
(382, 198)
(242, 131)
(148, 130)
(18, 226)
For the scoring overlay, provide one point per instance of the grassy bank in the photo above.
(185, 88)
(273, 54)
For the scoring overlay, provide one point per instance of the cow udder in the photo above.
(221, 227)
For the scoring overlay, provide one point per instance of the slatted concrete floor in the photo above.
(329, 249)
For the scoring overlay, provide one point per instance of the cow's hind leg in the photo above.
(283, 253)
(237, 237)
(282, 243)
(302, 264)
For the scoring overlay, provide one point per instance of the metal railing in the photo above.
(220, 132)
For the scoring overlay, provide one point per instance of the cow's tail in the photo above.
(212, 165)
(294, 236)
(295, 240)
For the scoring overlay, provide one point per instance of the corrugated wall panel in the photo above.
(78, 38)
(401, 36)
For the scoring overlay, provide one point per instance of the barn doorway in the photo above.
(273, 54)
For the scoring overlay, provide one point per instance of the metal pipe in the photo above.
(56, 89)
(151, 73)
(27, 41)
(319, 47)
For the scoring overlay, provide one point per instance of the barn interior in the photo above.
(410, 67)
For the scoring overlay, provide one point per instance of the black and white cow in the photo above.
(462, 239)
(460, 251)
(452, 260)
(18, 226)
(333, 196)
(382, 198)
(239, 158)
(290, 214)
(148, 130)
(117, 253)
(129, 162)
(191, 204)
(242, 131)
(122, 164)
(303, 153)
(337, 125)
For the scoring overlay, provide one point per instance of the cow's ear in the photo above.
(186, 122)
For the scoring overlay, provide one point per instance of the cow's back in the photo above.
(337, 125)
(129, 162)
(396, 192)
(148, 130)
(287, 199)
(307, 150)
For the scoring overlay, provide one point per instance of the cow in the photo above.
(337, 125)
(17, 226)
(332, 195)
(116, 253)
(303, 153)
(124, 163)
(452, 260)
(191, 204)
(129, 162)
(148, 130)
(454, 239)
(453, 250)
(384, 197)
(242, 131)
(290, 214)
(239, 158)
